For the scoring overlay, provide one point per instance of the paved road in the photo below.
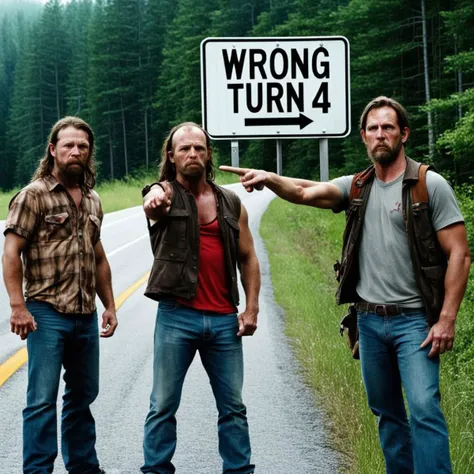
(288, 431)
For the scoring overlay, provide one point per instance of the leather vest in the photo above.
(175, 244)
(428, 259)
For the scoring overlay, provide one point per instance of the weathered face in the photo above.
(382, 135)
(189, 153)
(71, 153)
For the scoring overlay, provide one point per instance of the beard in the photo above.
(73, 173)
(384, 154)
(193, 172)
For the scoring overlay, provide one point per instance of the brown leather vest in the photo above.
(428, 259)
(175, 244)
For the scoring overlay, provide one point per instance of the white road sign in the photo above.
(293, 87)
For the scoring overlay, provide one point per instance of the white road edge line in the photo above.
(110, 224)
(118, 249)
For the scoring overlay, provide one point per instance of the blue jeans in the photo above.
(72, 341)
(179, 333)
(391, 357)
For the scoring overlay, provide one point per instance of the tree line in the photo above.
(131, 68)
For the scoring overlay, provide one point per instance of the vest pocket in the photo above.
(233, 223)
(168, 269)
(175, 231)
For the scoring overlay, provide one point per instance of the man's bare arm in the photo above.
(298, 191)
(453, 241)
(250, 275)
(104, 291)
(21, 320)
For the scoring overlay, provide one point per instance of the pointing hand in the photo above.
(251, 179)
(158, 200)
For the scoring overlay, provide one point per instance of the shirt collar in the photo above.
(52, 184)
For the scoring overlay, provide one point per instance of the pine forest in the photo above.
(131, 68)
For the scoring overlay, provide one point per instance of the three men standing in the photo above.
(54, 224)
(199, 235)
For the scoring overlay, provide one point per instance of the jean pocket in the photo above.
(417, 321)
(167, 305)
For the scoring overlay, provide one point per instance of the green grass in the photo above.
(226, 178)
(4, 201)
(303, 244)
(119, 194)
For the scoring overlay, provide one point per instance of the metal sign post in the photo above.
(234, 153)
(323, 159)
(279, 158)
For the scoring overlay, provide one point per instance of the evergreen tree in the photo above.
(114, 84)
(132, 69)
(78, 14)
(39, 97)
(179, 94)
(158, 18)
(457, 106)
(8, 59)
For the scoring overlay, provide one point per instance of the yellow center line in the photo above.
(127, 293)
(8, 368)
(17, 360)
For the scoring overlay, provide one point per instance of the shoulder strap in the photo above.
(419, 192)
(358, 181)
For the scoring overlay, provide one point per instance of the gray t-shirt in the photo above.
(386, 271)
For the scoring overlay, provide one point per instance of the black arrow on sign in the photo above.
(302, 121)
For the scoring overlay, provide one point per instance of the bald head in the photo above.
(191, 139)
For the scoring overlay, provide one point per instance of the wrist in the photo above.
(252, 308)
(270, 178)
(165, 186)
(448, 317)
(17, 304)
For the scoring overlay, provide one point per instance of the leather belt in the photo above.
(391, 309)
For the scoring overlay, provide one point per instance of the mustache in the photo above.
(78, 163)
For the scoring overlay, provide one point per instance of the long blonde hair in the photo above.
(46, 163)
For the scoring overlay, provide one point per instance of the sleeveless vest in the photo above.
(428, 259)
(175, 244)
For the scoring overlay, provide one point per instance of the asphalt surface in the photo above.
(288, 431)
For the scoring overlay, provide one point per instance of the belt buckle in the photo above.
(382, 311)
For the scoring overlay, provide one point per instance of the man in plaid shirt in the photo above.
(54, 225)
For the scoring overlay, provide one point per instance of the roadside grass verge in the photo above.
(4, 202)
(119, 194)
(303, 244)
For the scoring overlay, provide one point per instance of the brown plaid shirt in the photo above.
(59, 261)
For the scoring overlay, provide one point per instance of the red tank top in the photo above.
(212, 293)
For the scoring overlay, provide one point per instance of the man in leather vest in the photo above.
(199, 235)
(399, 339)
